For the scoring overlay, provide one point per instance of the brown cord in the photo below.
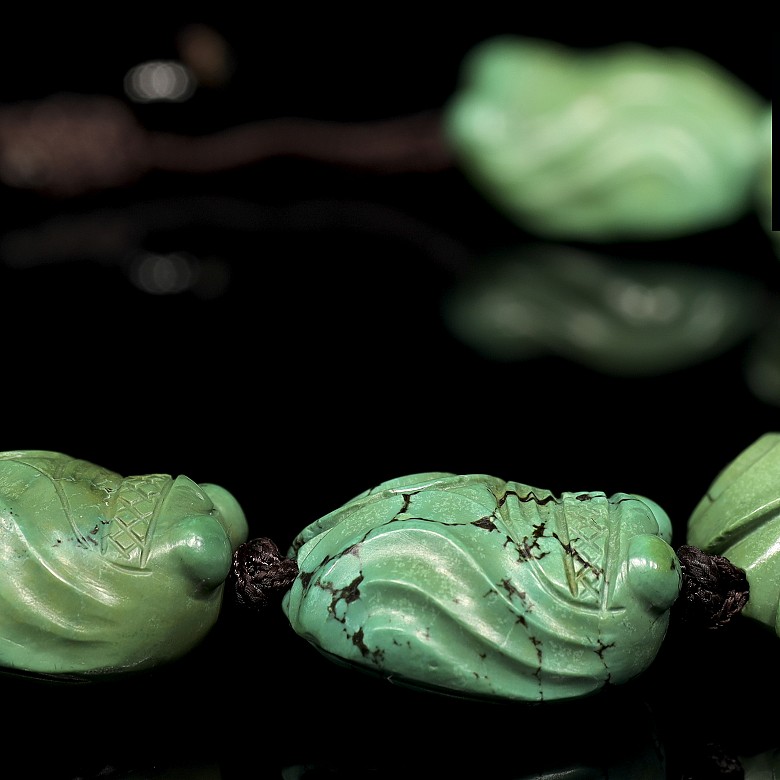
(714, 590)
(409, 144)
(260, 574)
(68, 145)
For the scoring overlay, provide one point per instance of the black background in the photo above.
(323, 368)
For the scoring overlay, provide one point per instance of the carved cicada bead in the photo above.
(103, 573)
(622, 142)
(476, 587)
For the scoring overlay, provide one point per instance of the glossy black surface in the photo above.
(315, 364)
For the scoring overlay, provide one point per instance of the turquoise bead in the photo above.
(105, 574)
(739, 518)
(624, 142)
(472, 586)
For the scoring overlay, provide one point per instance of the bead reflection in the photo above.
(618, 317)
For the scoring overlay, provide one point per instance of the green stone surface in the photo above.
(617, 143)
(739, 518)
(105, 574)
(472, 586)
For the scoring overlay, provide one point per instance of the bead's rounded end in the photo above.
(654, 571)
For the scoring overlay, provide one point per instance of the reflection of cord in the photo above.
(118, 234)
(69, 145)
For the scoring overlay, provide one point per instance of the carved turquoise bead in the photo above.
(623, 142)
(739, 518)
(472, 586)
(104, 574)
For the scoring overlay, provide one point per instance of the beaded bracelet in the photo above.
(258, 574)
(462, 584)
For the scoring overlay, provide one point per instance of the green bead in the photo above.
(476, 587)
(619, 143)
(104, 574)
(739, 518)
